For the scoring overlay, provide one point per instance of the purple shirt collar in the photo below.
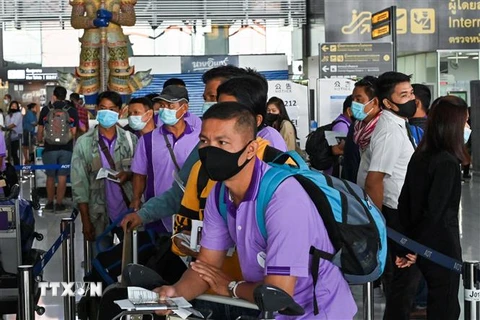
(188, 129)
(252, 190)
(108, 141)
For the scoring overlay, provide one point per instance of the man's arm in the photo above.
(286, 283)
(168, 203)
(81, 190)
(139, 182)
(191, 285)
(40, 134)
(374, 187)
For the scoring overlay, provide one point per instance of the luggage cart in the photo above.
(11, 256)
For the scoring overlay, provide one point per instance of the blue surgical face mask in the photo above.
(169, 117)
(466, 134)
(136, 123)
(107, 118)
(358, 110)
(206, 106)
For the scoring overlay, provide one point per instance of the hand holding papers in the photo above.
(333, 137)
(108, 174)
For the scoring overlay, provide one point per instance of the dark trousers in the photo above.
(400, 285)
(392, 220)
(442, 299)
(14, 150)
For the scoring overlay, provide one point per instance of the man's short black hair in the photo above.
(347, 103)
(244, 116)
(422, 93)
(60, 92)
(147, 103)
(74, 97)
(30, 106)
(8, 96)
(369, 83)
(151, 96)
(114, 97)
(223, 72)
(387, 82)
(174, 82)
(249, 91)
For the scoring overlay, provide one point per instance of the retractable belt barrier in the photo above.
(43, 167)
(426, 252)
(40, 265)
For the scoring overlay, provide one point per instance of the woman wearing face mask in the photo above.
(14, 126)
(428, 211)
(140, 116)
(108, 146)
(277, 117)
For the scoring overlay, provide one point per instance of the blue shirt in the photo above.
(29, 119)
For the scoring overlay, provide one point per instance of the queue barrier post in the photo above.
(472, 290)
(26, 301)
(368, 306)
(68, 255)
(87, 256)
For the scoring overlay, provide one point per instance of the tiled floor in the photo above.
(49, 225)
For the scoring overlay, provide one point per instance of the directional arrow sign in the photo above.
(324, 48)
(352, 60)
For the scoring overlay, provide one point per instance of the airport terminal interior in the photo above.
(310, 52)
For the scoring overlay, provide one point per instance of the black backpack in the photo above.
(317, 148)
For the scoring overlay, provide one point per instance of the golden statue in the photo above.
(104, 51)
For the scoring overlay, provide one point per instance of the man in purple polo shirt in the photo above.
(228, 152)
(163, 151)
(101, 201)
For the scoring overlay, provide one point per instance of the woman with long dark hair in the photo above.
(428, 211)
(277, 117)
(14, 126)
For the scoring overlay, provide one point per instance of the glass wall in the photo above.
(456, 70)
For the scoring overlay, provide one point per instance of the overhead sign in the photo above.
(422, 25)
(382, 23)
(30, 74)
(352, 60)
(200, 64)
(381, 16)
(381, 32)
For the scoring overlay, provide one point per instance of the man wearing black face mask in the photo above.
(228, 152)
(384, 164)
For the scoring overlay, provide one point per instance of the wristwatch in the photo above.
(231, 286)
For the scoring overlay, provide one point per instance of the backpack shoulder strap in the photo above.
(269, 183)
(271, 154)
(222, 203)
(202, 180)
(148, 142)
(130, 143)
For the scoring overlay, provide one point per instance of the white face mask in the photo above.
(6, 101)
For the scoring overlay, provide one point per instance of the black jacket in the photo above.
(429, 202)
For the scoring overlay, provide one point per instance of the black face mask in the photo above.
(221, 165)
(406, 110)
(271, 118)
